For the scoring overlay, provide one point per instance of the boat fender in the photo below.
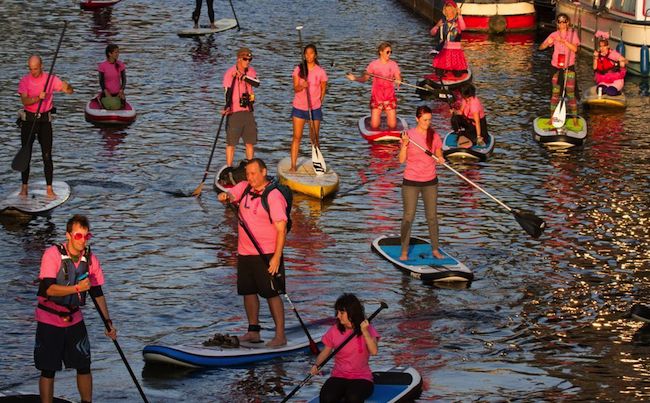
(644, 60)
(620, 48)
(497, 24)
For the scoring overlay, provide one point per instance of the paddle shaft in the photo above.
(21, 160)
(332, 354)
(235, 15)
(119, 350)
(399, 82)
(312, 344)
(312, 130)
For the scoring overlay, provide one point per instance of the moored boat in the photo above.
(567, 136)
(592, 99)
(96, 4)
(498, 16)
(383, 133)
(95, 113)
(304, 179)
(450, 148)
(398, 384)
(626, 21)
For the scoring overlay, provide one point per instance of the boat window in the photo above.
(625, 6)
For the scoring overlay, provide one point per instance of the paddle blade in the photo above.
(21, 160)
(318, 161)
(559, 115)
(640, 312)
(197, 191)
(531, 223)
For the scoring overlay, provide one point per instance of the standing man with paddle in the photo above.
(258, 274)
(36, 93)
(238, 83)
(68, 271)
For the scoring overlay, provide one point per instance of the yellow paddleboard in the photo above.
(305, 180)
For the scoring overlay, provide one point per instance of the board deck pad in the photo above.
(419, 255)
(37, 200)
(223, 24)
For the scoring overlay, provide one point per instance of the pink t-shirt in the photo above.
(32, 87)
(257, 219)
(561, 49)
(315, 77)
(471, 106)
(351, 362)
(112, 75)
(420, 167)
(50, 264)
(382, 89)
(239, 87)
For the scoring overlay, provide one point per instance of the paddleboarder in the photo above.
(609, 67)
(254, 276)
(565, 44)
(469, 120)
(351, 379)
(420, 178)
(449, 55)
(307, 76)
(385, 74)
(238, 82)
(112, 79)
(32, 90)
(68, 271)
(196, 14)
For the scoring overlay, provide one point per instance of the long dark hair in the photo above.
(421, 110)
(350, 304)
(303, 64)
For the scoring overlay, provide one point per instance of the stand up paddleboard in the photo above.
(421, 263)
(567, 136)
(9, 397)
(226, 178)
(591, 99)
(198, 356)
(96, 4)
(223, 24)
(305, 180)
(451, 150)
(383, 133)
(450, 82)
(37, 201)
(395, 385)
(94, 112)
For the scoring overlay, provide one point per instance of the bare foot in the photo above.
(23, 191)
(292, 170)
(437, 254)
(50, 192)
(277, 342)
(213, 26)
(404, 256)
(252, 337)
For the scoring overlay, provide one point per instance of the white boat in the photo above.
(626, 21)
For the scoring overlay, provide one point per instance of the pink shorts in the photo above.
(383, 105)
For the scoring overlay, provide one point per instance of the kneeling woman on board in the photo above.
(469, 121)
(420, 177)
(609, 67)
(351, 379)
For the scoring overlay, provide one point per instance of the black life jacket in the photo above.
(69, 275)
(286, 193)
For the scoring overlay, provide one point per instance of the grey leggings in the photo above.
(410, 202)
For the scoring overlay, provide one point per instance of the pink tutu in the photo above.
(450, 59)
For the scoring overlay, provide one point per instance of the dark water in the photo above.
(545, 320)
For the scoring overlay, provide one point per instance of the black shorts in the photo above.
(55, 344)
(253, 277)
(241, 125)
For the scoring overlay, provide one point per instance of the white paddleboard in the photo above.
(37, 200)
(223, 24)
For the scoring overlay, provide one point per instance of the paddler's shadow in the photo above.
(201, 50)
(113, 137)
(102, 24)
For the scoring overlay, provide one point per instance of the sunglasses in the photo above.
(388, 52)
(247, 59)
(78, 236)
(562, 21)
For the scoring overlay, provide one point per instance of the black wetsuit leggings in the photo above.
(197, 11)
(465, 127)
(42, 129)
(347, 390)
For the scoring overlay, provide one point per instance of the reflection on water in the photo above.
(545, 319)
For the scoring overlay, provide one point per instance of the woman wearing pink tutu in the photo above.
(451, 57)
(609, 66)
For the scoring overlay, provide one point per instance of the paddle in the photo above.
(426, 88)
(235, 15)
(383, 305)
(197, 191)
(559, 114)
(531, 223)
(119, 350)
(21, 160)
(312, 344)
(316, 156)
